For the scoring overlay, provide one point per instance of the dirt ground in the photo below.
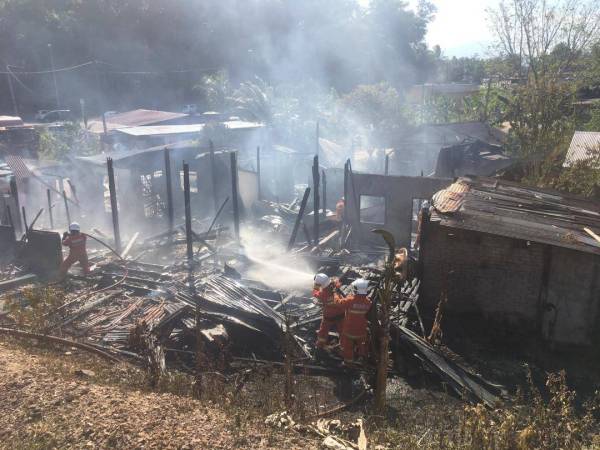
(77, 401)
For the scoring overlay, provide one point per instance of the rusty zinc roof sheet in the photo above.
(514, 210)
(450, 199)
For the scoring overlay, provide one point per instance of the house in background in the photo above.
(585, 146)
(418, 150)
(471, 158)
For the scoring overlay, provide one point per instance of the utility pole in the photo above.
(54, 76)
(12, 91)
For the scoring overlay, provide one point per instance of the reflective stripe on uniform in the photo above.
(357, 312)
(351, 336)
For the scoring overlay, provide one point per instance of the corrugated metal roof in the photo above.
(162, 130)
(450, 199)
(514, 210)
(18, 167)
(135, 118)
(584, 145)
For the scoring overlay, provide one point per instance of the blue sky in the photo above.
(460, 26)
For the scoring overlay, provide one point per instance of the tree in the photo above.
(542, 123)
(528, 31)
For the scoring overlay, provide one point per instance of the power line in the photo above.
(123, 72)
(43, 72)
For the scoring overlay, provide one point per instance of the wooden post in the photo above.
(188, 212)
(49, 195)
(104, 127)
(113, 204)
(213, 176)
(68, 214)
(258, 171)
(315, 173)
(324, 195)
(14, 192)
(318, 146)
(170, 213)
(387, 165)
(234, 195)
(24, 219)
(299, 218)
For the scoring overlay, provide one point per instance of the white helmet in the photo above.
(360, 286)
(322, 280)
(74, 227)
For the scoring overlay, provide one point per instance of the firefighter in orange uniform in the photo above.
(75, 240)
(354, 332)
(333, 315)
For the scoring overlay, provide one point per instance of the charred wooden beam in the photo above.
(170, 210)
(50, 216)
(113, 204)
(213, 175)
(387, 164)
(315, 174)
(188, 212)
(234, 194)
(324, 178)
(14, 193)
(299, 219)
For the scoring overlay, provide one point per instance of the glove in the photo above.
(65, 235)
(316, 302)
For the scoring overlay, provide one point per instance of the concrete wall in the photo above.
(399, 192)
(536, 288)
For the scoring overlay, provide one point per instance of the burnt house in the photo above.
(390, 202)
(142, 184)
(471, 158)
(509, 254)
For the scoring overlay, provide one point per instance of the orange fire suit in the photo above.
(77, 252)
(333, 315)
(355, 325)
(339, 210)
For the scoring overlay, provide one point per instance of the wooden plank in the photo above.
(16, 282)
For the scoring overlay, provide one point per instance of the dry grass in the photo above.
(538, 419)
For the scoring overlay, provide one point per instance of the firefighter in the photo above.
(339, 209)
(332, 314)
(75, 240)
(354, 333)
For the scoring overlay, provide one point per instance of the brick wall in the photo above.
(486, 274)
(501, 279)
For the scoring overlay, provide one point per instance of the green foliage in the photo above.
(253, 100)
(582, 178)
(378, 108)
(341, 43)
(542, 123)
(69, 140)
(214, 90)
